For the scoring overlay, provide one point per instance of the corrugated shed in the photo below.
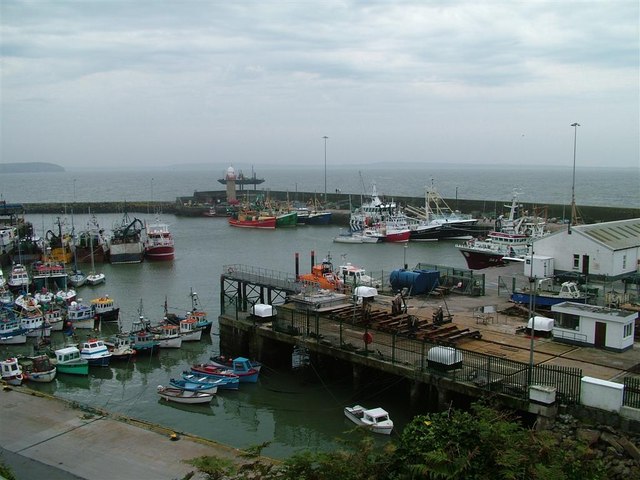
(618, 235)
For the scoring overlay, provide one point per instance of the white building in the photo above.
(590, 325)
(609, 249)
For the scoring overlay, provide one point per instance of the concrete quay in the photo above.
(48, 438)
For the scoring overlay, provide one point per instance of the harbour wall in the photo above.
(339, 203)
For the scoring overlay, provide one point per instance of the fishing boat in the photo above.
(224, 383)
(208, 387)
(179, 395)
(38, 369)
(355, 276)
(11, 371)
(120, 347)
(168, 336)
(252, 219)
(286, 219)
(125, 244)
(214, 371)
(362, 236)
(227, 362)
(511, 240)
(48, 274)
(77, 277)
(105, 309)
(544, 295)
(437, 221)
(35, 324)
(243, 368)
(19, 278)
(68, 360)
(159, 243)
(92, 242)
(94, 278)
(53, 316)
(81, 315)
(189, 331)
(95, 352)
(11, 330)
(202, 321)
(375, 420)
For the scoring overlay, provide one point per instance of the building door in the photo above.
(585, 264)
(601, 334)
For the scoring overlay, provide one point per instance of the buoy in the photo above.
(368, 338)
(174, 436)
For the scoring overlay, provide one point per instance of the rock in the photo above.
(589, 436)
(612, 441)
(632, 450)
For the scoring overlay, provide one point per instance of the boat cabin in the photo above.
(592, 325)
(68, 354)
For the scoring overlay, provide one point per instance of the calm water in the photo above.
(291, 411)
(287, 409)
(593, 186)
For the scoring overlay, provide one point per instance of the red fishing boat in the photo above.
(252, 219)
(159, 244)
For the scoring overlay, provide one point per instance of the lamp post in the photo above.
(405, 256)
(74, 190)
(456, 199)
(325, 168)
(532, 293)
(575, 126)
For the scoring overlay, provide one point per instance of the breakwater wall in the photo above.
(340, 203)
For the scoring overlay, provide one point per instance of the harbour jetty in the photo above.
(201, 202)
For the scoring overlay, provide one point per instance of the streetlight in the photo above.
(573, 184)
(325, 168)
(406, 245)
(456, 199)
(74, 190)
(532, 313)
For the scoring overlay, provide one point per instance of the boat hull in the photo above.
(42, 377)
(265, 223)
(480, 260)
(74, 369)
(316, 218)
(126, 253)
(184, 396)
(160, 253)
(543, 301)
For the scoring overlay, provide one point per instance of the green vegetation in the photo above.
(483, 443)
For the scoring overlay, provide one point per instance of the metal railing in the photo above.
(488, 372)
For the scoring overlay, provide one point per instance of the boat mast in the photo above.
(574, 210)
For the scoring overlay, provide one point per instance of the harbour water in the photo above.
(609, 187)
(287, 409)
(290, 410)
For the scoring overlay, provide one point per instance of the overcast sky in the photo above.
(117, 83)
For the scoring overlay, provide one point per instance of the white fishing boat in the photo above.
(375, 420)
(11, 371)
(180, 395)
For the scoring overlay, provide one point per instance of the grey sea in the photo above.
(290, 410)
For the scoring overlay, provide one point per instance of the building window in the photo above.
(576, 261)
(624, 262)
(628, 330)
(567, 321)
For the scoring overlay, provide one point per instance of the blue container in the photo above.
(417, 281)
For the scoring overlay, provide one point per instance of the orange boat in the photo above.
(323, 275)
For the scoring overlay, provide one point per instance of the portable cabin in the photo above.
(444, 358)
(592, 325)
(542, 326)
(263, 312)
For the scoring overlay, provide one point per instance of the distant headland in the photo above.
(30, 167)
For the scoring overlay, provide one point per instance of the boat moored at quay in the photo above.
(126, 244)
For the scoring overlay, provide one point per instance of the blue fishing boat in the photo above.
(231, 382)
(209, 386)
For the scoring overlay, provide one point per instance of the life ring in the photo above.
(367, 338)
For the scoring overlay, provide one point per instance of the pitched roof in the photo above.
(618, 235)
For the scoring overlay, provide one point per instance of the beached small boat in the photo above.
(375, 420)
(68, 360)
(179, 395)
(11, 371)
